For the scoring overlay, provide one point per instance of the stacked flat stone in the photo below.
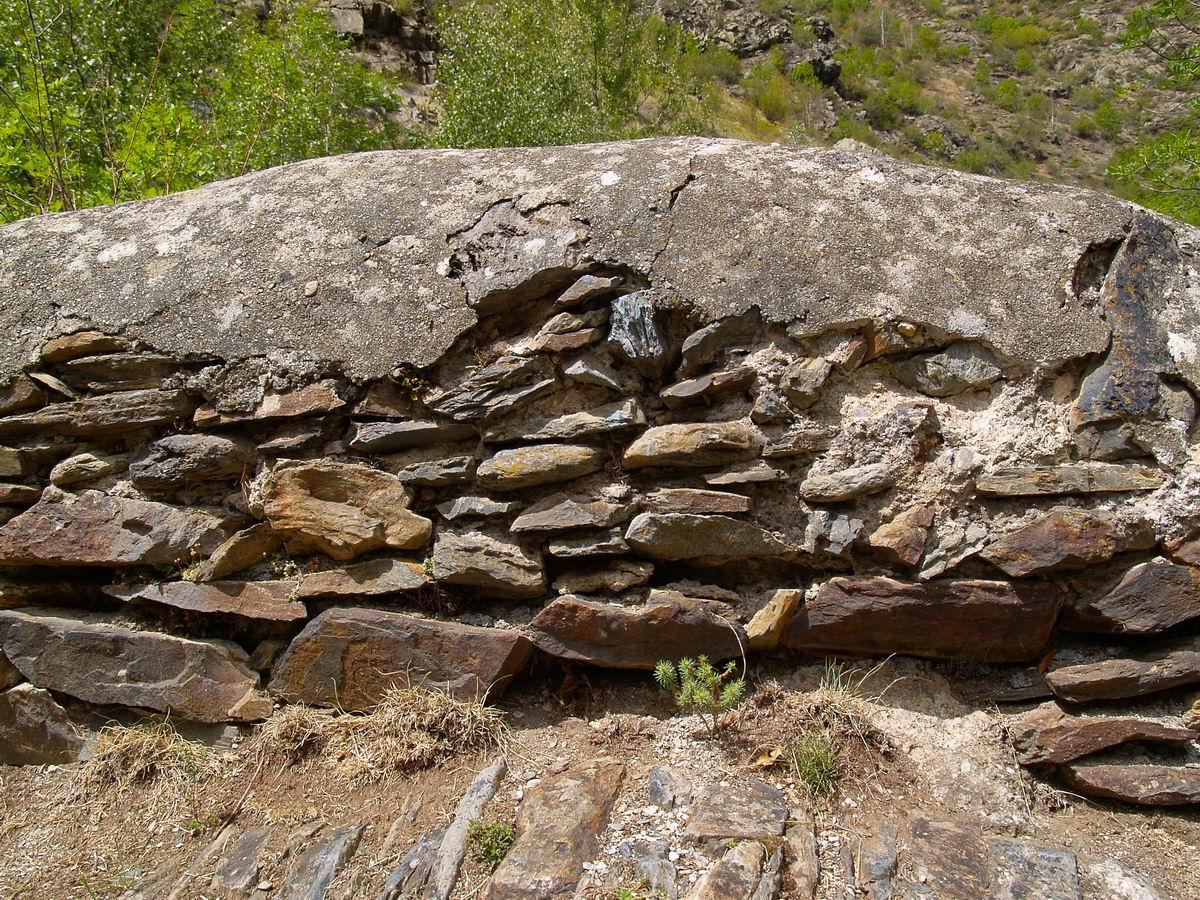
(588, 432)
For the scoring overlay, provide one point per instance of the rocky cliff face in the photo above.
(428, 415)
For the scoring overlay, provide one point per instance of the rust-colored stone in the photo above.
(558, 830)
(965, 619)
(341, 509)
(1150, 598)
(101, 663)
(1144, 785)
(1066, 538)
(1049, 735)
(93, 529)
(1174, 665)
(269, 601)
(349, 658)
(668, 626)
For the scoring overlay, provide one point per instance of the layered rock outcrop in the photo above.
(404, 417)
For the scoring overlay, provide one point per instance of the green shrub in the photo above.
(714, 64)
(1008, 94)
(769, 90)
(560, 71)
(490, 842)
(1024, 62)
(1039, 106)
(1108, 120)
(698, 687)
(881, 111)
(1084, 126)
(933, 142)
(983, 72)
(855, 129)
(120, 99)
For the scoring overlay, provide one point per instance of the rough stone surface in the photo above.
(93, 529)
(311, 400)
(388, 437)
(438, 473)
(748, 811)
(236, 870)
(370, 578)
(476, 507)
(103, 415)
(734, 875)
(264, 600)
(86, 467)
(694, 444)
(1050, 735)
(37, 730)
(636, 333)
(620, 575)
(495, 567)
(1085, 478)
(766, 628)
(316, 868)
(1150, 598)
(183, 459)
(454, 843)
(1116, 678)
(524, 467)
(205, 681)
(1142, 784)
(696, 501)
(611, 418)
(961, 619)
(118, 372)
(686, 536)
(242, 550)
(601, 543)
(848, 484)
(348, 658)
(668, 626)
(1066, 538)
(708, 388)
(557, 831)
(902, 539)
(561, 512)
(507, 383)
(727, 179)
(956, 861)
(341, 509)
(962, 367)
(81, 343)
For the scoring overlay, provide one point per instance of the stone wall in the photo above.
(435, 416)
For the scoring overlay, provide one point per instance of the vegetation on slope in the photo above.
(108, 100)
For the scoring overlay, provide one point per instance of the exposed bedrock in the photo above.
(408, 416)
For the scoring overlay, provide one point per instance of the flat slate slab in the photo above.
(752, 810)
(996, 621)
(348, 658)
(557, 831)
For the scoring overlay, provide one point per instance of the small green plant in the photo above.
(490, 842)
(814, 761)
(699, 687)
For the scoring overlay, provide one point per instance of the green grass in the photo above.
(490, 842)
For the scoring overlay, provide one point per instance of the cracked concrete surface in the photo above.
(824, 236)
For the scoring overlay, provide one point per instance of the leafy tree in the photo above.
(515, 73)
(1163, 172)
(110, 100)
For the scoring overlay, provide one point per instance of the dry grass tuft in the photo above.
(125, 755)
(410, 729)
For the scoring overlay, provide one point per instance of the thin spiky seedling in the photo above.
(699, 687)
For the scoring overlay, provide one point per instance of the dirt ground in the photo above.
(921, 748)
